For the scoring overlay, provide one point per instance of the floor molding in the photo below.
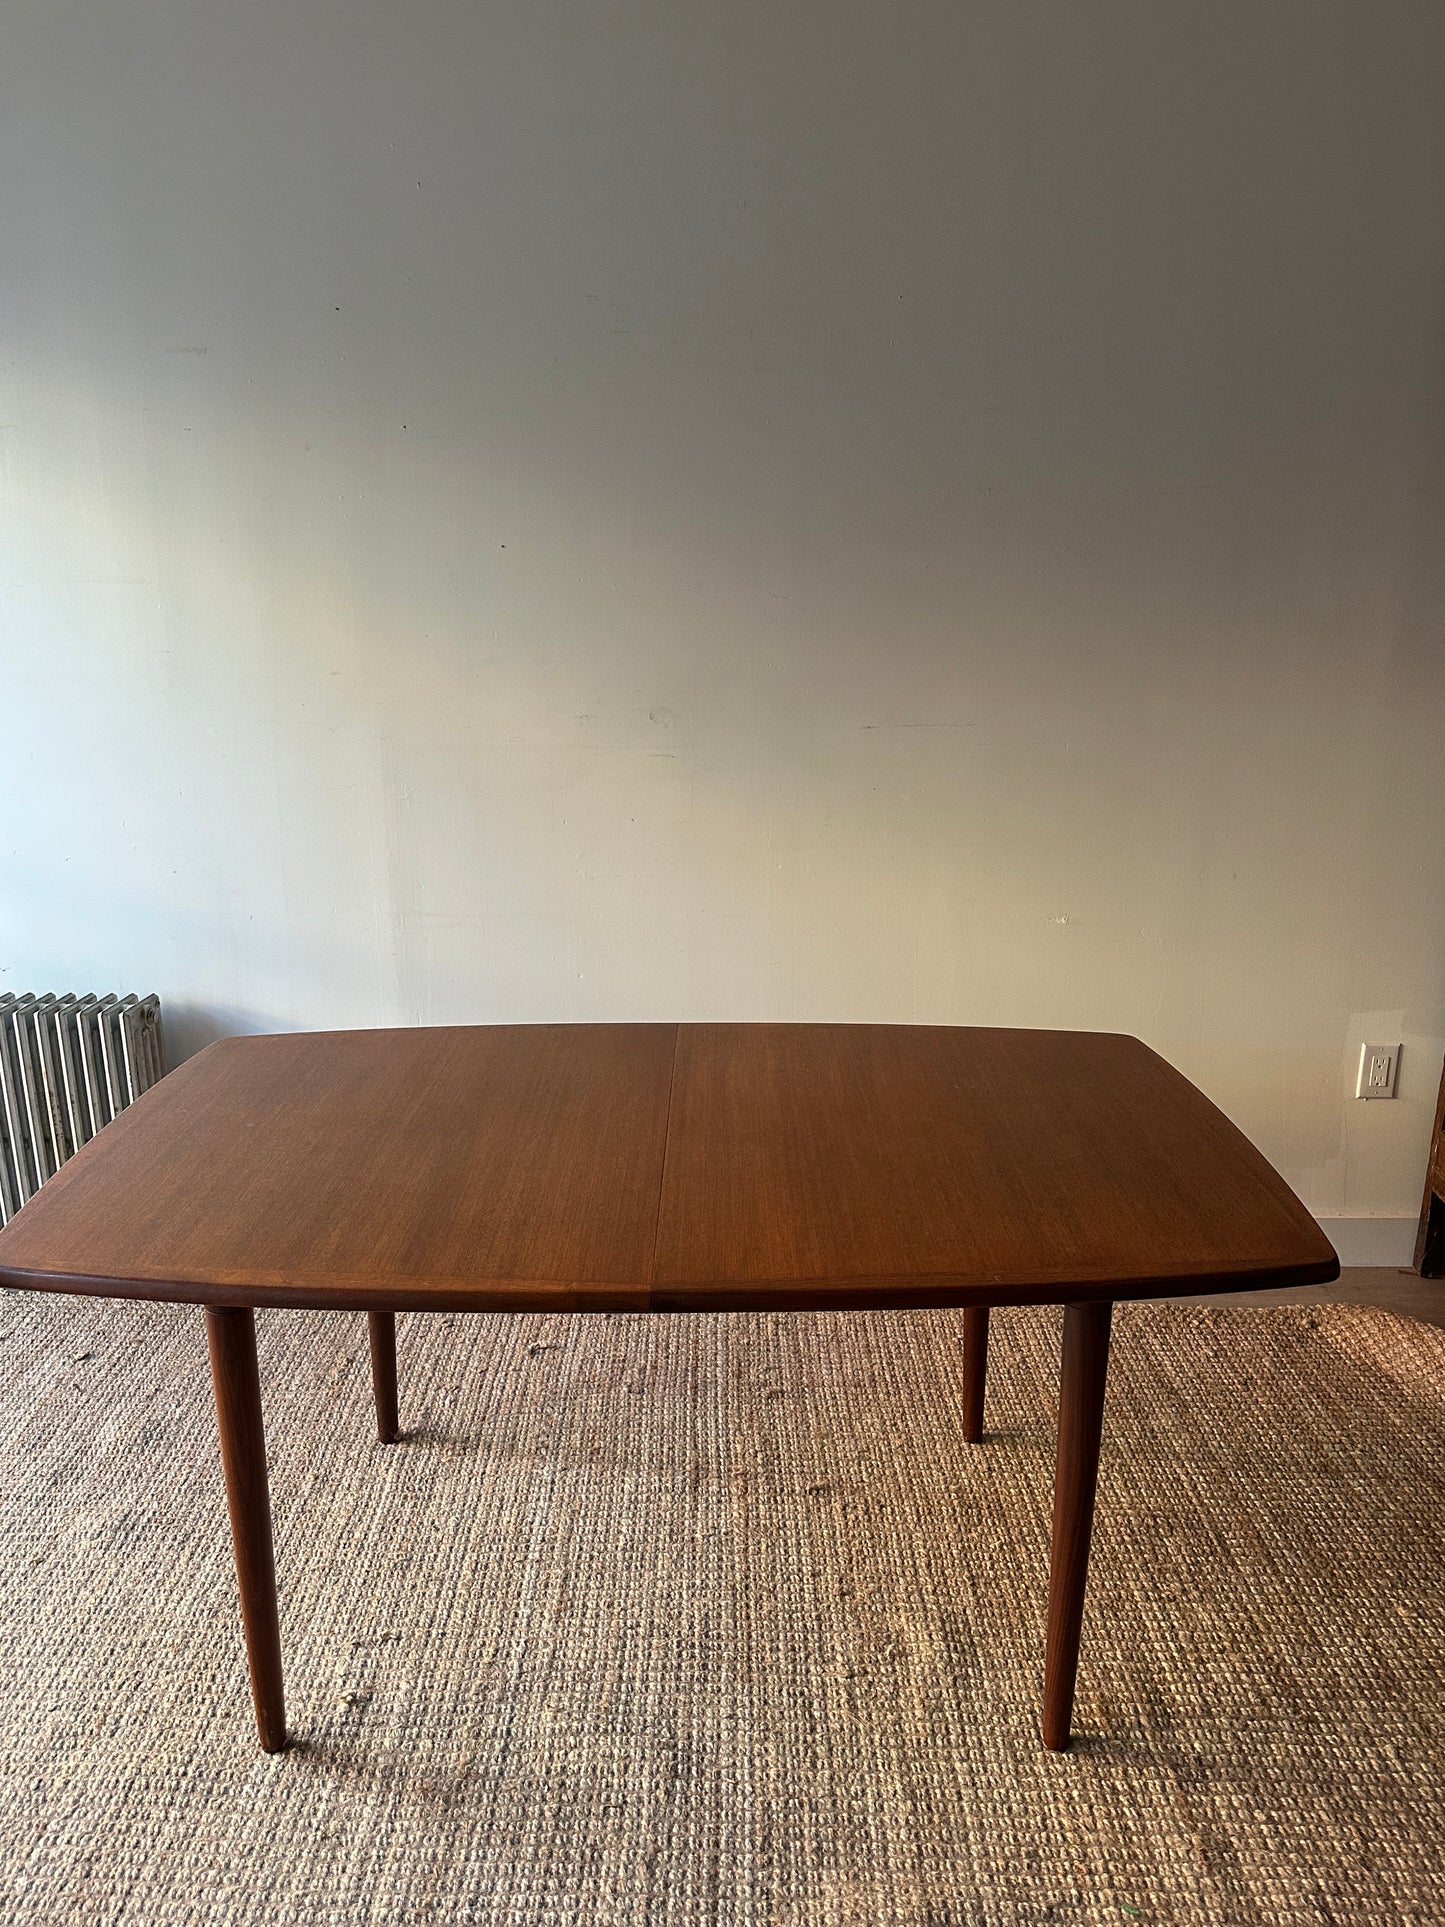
(1371, 1241)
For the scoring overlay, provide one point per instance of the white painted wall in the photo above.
(610, 510)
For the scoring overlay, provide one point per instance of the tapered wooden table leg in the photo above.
(1081, 1417)
(231, 1335)
(382, 1327)
(975, 1370)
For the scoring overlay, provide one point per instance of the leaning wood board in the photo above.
(1430, 1242)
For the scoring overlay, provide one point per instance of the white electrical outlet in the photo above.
(1379, 1068)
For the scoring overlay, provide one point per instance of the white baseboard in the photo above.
(1384, 1242)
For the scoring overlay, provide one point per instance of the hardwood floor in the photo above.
(1398, 1291)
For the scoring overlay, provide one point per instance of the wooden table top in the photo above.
(666, 1167)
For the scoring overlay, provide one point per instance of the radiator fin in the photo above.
(68, 1064)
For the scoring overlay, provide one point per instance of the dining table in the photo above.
(669, 1168)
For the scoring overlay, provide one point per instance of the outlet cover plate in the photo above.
(1379, 1070)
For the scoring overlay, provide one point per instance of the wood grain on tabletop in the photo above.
(677, 1167)
(812, 1164)
(364, 1167)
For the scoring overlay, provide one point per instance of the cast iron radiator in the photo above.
(67, 1066)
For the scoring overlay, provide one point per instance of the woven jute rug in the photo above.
(714, 1619)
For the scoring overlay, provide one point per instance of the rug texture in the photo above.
(663, 1620)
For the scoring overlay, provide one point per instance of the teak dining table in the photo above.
(667, 1168)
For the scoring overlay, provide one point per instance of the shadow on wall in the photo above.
(190, 1027)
